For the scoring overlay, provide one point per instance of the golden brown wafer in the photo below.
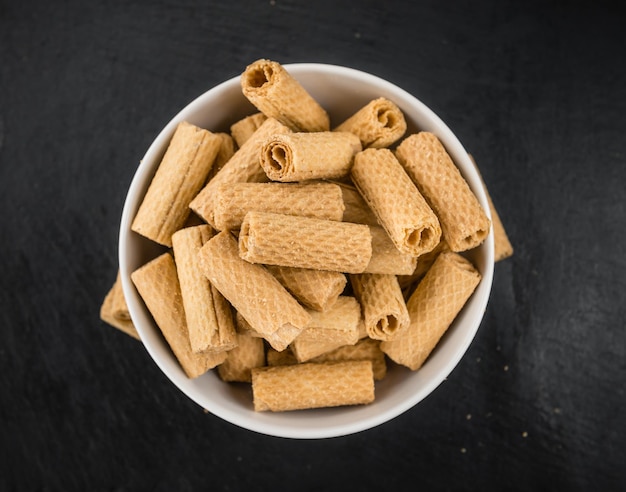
(227, 150)
(115, 312)
(384, 310)
(315, 289)
(386, 258)
(433, 306)
(180, 175)
(464, 224)
(243, 167)
(328, 330)
(397, 203)
(233, 201)
(502, 247)
(366, 349)
(378, 124)
(208, 314)
(301, 156)
(270, 87)
(302, 386)
(279, 339)
(303, 242)
(251, 289)
(248, 353)
(157, 283)
(243, 129)
(424, 262)
(356, 210)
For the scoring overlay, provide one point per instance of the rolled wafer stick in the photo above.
(433, 306)
(397, 203)
(502, 247)
(115, 312)
(243, 167)
(386, 258)
(227, 150)
(208, 314)
(464, 223)
(279, 339)
(302, 386)
(251, 289)
(356, 210)
(303, 242)
(119, 308)
(283, 358)
(424, 263)
(302, 156)
(315, 289)
(319, 200)
(306, 349)
(243, 129)
(157, 283)
(327, 330)
(270, 87)
(378, 124)
(365, 349)
(180, 175)
(384, 310)
(248, 353)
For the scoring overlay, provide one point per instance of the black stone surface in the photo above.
(536, 91)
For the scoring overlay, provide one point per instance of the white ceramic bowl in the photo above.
(341, 91)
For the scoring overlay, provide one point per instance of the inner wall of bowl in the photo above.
(341, 91)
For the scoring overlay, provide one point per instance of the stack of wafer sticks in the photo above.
(315, 254)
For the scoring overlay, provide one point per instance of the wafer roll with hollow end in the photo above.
(243, 129)
(248, 353)
(208, 314)
(464, 223)
(382, 304)
(378, 124)
(433, 306)
(502, 247)
(302, 386)
(327, 330)
(180, 175)
(243, 167)
(396, 202)
(303, 242)
(356, 210)
(157, 283)
(386, 258)
(315, 289)
(114, 310)
(302, 156)
(270, 87)
(251, 289)
(319, 200)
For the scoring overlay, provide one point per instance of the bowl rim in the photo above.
(252, 422)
